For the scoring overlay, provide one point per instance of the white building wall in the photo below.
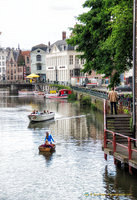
(58, 64)
(34, 61)
(3, 55)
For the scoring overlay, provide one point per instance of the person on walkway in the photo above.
(113, 100)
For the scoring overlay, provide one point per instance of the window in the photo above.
(39, 67)
(27, 60)
(76, 60)
(76, 72)
(28, 69)
(82, 61)
(2, 57)
(38, 58)
(3, 70)
(71, 60)
(71, 73)
(0, 69)
(38, 51)
(0, 63)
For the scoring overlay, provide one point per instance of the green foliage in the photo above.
(93, 106)
(131, 123)
(85, 100)
(72, 97)
(104, 35)
(59, 87)
(126, 111)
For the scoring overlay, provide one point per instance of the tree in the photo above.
(104, 35)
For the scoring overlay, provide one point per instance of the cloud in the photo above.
(61, 8)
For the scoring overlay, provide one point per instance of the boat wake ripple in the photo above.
(71, 117)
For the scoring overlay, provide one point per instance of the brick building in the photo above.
(17, 65)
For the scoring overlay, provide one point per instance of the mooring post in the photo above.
(114, 146)
(114, 143)
(129, 148)
(129, 153)
(105, 132)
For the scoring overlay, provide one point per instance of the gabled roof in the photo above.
(62, 45)
(25, 53)
(40, 46)
(12, 53)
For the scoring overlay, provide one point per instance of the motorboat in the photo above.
(48, 96)
(62, 94)
(39, 93)
(47, 148)
(25, 92)
(38, 117)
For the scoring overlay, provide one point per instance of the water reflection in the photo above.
(48, 157)
(41, 125)
(77, 166)
(119, 183)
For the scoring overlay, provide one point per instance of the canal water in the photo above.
(76, 170)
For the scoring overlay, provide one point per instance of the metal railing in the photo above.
(100, 94)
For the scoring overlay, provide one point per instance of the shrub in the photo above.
(126, 111)
(59, 87)
(85, 100)
(72, 97)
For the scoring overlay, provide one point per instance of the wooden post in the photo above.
(114, 146)
(114, 142)
(105, 138)
(129, 153)
(105, 132)
(129, 149)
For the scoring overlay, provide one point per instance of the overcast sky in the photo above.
(32, 22)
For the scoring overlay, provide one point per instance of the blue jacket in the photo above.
(50, 139)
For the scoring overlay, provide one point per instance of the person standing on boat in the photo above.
(49, 138)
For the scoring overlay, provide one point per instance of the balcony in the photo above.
(77, 66)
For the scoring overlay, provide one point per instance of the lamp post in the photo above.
(134, 66)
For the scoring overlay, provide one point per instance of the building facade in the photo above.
(14, 73)
(38, 61)
(62, 63)
(3, 56)
(27, 62)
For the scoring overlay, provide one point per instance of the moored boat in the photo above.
(25, 92)
(62, 94)
(39, 93)
(41, 116)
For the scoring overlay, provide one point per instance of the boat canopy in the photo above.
(64, 92)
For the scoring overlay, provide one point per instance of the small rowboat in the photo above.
(41, 117)
(50, 148)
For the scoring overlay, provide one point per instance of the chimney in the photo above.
(63, 35)
(49, 44)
